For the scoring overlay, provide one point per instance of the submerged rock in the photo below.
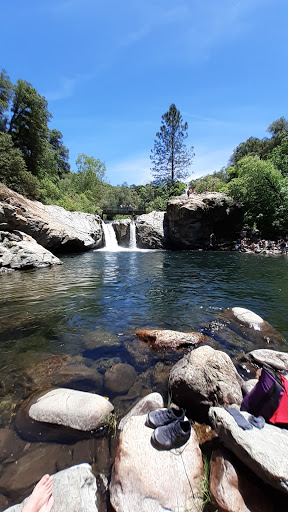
(264, 451)
(75, 409)
(144, 478)
(19, 251)
(202, 378)
(51, 226)
(120, 378)
(169, 339)
(252, 326)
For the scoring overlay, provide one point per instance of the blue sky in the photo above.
(109, 70)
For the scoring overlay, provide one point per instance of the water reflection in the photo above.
(81, 316)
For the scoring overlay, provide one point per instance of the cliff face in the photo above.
(191, 222)
(151, 230)
(51, 226)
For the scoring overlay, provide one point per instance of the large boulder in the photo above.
(51, 226)
(202, 378)
(76, 409)
(164, 338)
(232, 490)
(264, 451)
(122, 230)
(191, 222)
(150, 229)
(19, 251)
(148, 480)
(74, 490)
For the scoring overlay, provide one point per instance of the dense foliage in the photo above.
(258, 177)
(35, 162)
(170, 157)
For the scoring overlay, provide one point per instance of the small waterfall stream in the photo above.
(132, 243)
(111, 243)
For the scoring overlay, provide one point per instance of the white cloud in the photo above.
(65, 90)
(133, 170)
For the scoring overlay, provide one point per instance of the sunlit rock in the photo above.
(144, 478)
(51, 226)
(19, 251)
(274, 358)
(202, 378)
(232, 490)
(169, 339)
(264, 451)
(74, 490)
(75, 409)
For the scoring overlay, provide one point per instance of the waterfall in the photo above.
(132, 243)
(111, 243)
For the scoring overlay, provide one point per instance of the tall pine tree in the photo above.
(170, 157)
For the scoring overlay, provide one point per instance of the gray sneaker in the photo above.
(164, 416)
(172, 435)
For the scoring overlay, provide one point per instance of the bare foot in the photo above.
(40, 496)
(48, 505)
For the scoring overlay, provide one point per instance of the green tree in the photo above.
(6, 90)
(13, 171)
(253, 146)
(28, 125)
(259, 186)
(170, 157)
(59, 152)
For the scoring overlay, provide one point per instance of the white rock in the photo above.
(247, 317)
(278, 360)
(74, 490)
(75, 409)
(264, 451)
(147, 480)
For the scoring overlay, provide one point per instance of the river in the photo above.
(89, 308)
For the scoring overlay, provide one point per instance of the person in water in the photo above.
(41, 499)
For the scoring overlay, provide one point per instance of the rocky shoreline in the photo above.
(221, 466)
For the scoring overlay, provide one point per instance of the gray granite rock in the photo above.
(190, 222)
(150, 229)
(75, 409)
(19, 251)
(248, 385)
(148, 480)
(274, 358)
(166, 338)
(264, 451)
(74, 490)
(202, 378)
(51, 226)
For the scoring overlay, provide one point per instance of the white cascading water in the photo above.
(132, 243)
(111, 243)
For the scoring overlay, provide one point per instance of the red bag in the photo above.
(281, 413)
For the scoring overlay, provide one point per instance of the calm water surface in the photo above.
(90, 306)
